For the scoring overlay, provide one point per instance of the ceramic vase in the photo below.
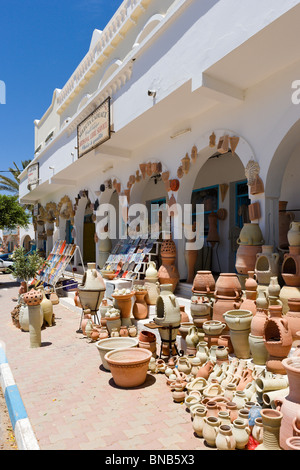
(239, 323)
(249, 303)
(271, 421)
(140, 307)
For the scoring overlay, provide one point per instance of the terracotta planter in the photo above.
(246, 258)
(110, 344)
(204, 283)
(140, 307)
(129, 366)
(124, 304)
(290, 405)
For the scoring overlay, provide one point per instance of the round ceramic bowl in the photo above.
(129, 366)
(110, 344)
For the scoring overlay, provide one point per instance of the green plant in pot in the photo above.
(25, 265)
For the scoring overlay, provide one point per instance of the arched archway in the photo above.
(282, 181)
(211, 169)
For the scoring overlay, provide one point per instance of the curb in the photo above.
(24, 434)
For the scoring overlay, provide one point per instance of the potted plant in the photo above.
(25, 265)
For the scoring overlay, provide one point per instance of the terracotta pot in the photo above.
(174, 185)
(151, 346)
(290, 405)
(285, 220)
(140, 307)
(246, 258)
(205, 370)
(228, 285)
(225, 439)
(124, 304)
(129, 366)
(124, 331)
(33, 297)
(147, 336)
(223, 305)
(168, 272)
(204, 283)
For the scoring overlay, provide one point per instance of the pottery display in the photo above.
(128, 366)
(285, 220)
(251, 282)
(267, 265)
(110, 344)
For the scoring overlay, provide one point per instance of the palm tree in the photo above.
(11, 184)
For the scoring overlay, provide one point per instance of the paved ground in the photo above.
(73, 404)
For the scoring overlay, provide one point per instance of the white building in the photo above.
(177, 73)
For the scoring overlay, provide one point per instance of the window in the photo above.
(209, 197)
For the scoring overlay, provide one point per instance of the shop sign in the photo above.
(33, 174)
(95, 129)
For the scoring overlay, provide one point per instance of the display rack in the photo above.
(56, 263)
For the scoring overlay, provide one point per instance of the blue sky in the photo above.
(41, 44)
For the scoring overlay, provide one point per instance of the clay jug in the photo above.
(183, 365)
(241, 432)
(151, 272)
(47, 308)
(192, 338)
(251, 283)
(249, 303)
(261, 301)
(210, 430)
(198, 421)
(225, 439)
(153, 291)
(274, 287)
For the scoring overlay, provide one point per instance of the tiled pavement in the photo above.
(73, 404)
